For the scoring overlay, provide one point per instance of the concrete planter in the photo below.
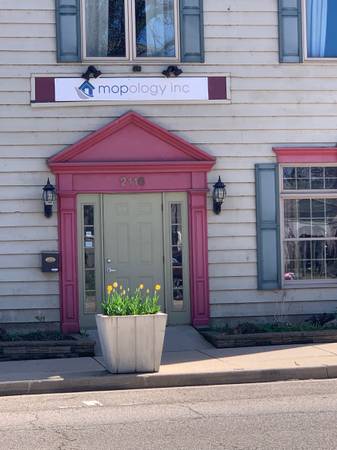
(132, 343)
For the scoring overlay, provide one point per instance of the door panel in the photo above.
(133, 240)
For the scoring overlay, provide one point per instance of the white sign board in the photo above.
(131, 89)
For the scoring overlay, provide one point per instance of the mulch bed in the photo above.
(73, 346)
(223, 340)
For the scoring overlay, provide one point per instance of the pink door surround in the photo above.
(131, 154)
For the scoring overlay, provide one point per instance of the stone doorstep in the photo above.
(221, 340)
(23, 350)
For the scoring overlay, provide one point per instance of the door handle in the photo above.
(109, 270)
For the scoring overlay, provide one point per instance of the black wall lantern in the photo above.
(172, 72)
(91, 72)
(219, 193)
(48, 197)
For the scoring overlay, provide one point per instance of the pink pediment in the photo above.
(131, 138)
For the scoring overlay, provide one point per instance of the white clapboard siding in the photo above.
(27, 179)
(17, 30)
(272, 104)
(32, 207)
(27, 16)
(43, 232)
(274, 311)
(27, 247)
(29, 315)
(232, 269)
(231, 256)
(20, 261)
(27, 287)
(29, 302)
(198, 124)
(27, 219)
(30, 5)
(242, 5)
(29, 274)
(288, 295)
(27, 44)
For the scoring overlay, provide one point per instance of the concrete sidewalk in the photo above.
(187, 360)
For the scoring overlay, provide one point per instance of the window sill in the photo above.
(309, 284)
(320, 60)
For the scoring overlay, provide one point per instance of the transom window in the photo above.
(299, 178)
(309, 223)
(151, 31)
(321, 20)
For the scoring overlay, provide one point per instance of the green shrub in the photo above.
(121, 302)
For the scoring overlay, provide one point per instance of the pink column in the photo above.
(198, 258)
(68, 250)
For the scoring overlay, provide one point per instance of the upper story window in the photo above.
(321, 22)
(130, 30)
(151, 32)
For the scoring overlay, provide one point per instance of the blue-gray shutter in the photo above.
(68, 30)
(290, 31)
(267, 226)
(191, 31)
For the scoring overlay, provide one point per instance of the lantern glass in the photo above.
(48, 194)
(49, 197)
(219, 194)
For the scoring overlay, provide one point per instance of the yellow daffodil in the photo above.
(109, 289)
(157, 287)
(115, 284)
(141, 286)
(147, 291)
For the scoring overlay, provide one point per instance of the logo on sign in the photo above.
(86, 90)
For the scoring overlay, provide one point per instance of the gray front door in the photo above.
(134, 239)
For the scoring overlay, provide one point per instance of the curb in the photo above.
(105, 381)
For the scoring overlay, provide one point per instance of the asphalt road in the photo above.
(284, 415)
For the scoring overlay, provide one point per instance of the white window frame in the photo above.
(304, 39)
(290, 194)
(130, 38)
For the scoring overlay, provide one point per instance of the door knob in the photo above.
(109, 270)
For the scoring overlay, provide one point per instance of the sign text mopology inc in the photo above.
(131, 89)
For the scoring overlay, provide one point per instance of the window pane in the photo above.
(321, 28)
(306, 178)
(177, 258)
(290, 216)
(310, 233)
(155, 28)
(331, 172)
(105, 28)
(289, 172)
(88, 252)
(302, 172)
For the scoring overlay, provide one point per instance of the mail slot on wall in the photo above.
(49, 261)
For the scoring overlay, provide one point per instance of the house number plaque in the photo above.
(132, 181)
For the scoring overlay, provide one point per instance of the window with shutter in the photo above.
(159, 30)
